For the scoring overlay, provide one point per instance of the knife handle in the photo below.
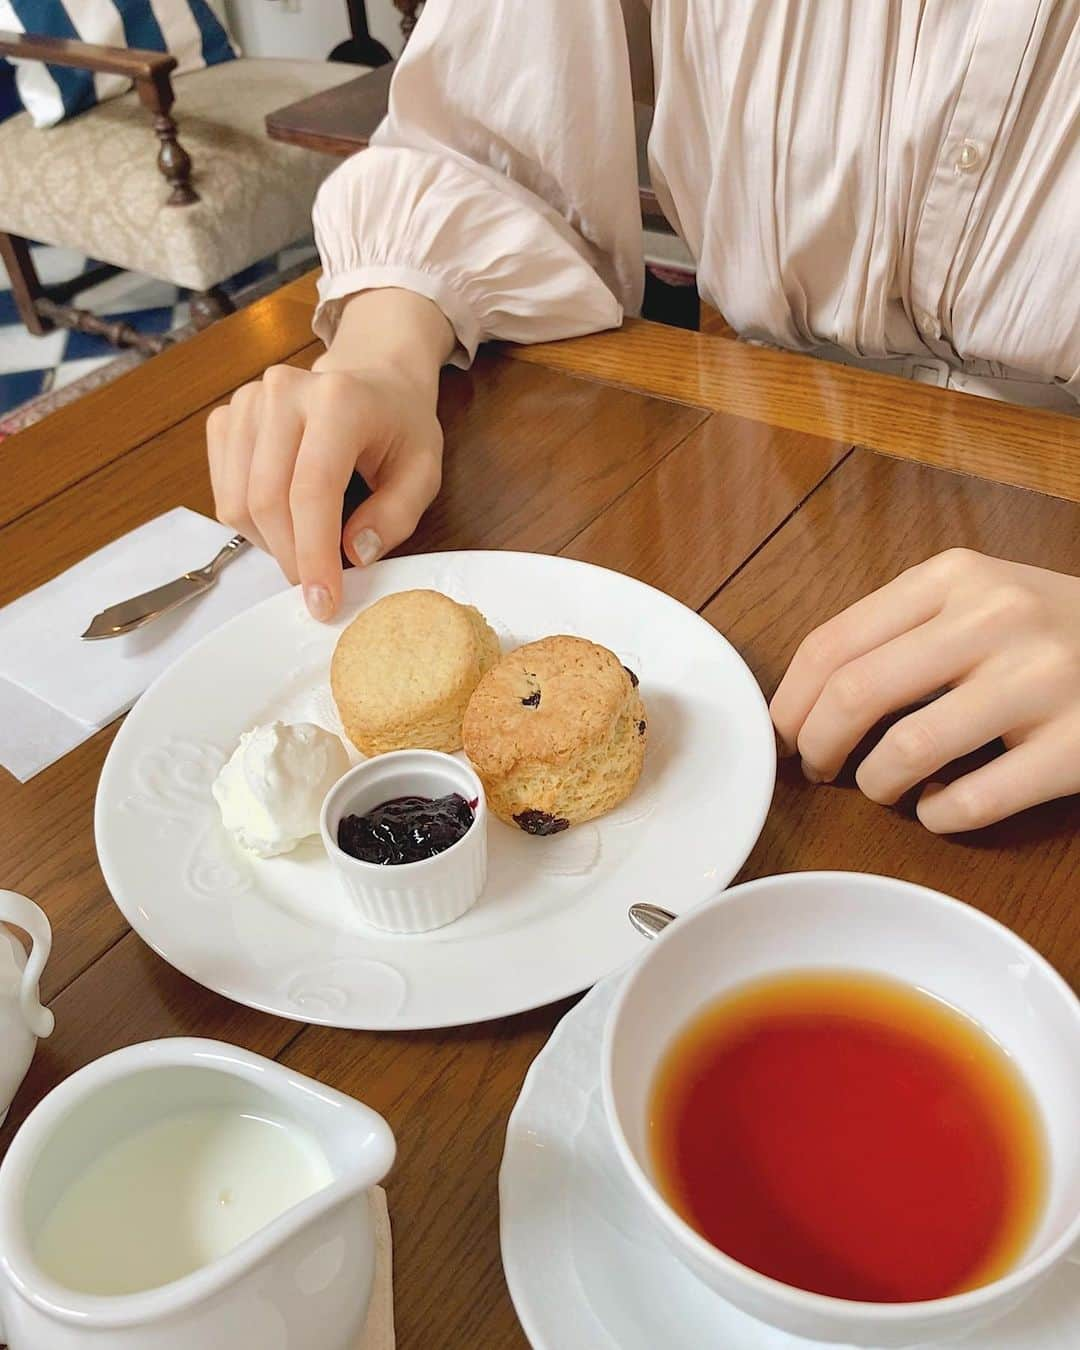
(225, 554)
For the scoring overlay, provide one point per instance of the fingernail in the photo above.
(365, 546)
(320, 606)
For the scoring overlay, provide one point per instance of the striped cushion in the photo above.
(189, 29)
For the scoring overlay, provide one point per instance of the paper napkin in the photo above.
(56, 690)
(379, 1332)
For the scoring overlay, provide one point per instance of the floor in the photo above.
(30, 366)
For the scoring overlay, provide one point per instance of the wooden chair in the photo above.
(218, 196)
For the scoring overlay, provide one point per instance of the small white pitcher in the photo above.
(302, 1282)
(22, 1018)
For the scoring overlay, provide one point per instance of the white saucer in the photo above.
(280, 934)
(586, 1269)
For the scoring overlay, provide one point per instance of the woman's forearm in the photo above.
(489, 205)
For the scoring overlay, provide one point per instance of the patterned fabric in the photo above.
(92, 184)
(189, 29)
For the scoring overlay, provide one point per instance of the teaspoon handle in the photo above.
(650, 920)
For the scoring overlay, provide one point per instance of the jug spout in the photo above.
(358, 1143)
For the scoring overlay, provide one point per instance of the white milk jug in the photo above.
(185, 1193)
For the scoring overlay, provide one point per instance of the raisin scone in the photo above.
(556, 732)
(404, 670)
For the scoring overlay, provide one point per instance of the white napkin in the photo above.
(379, 1331)
(56, 690)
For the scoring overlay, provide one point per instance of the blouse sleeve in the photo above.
(502, 184)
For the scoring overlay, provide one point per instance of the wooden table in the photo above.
(764, 490)
(338, 121)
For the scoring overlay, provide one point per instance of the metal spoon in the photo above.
(650, 920)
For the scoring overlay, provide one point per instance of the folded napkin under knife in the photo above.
(379, 1332)
(56, 690)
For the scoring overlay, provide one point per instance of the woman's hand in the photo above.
(1000, 638)
(283, 450)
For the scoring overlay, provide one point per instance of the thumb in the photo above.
(406, 488)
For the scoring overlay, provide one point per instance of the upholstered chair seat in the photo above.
(93, 184)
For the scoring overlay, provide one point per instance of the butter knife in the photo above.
(142, 609)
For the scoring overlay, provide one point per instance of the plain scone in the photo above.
(556, 732)
(404, 670)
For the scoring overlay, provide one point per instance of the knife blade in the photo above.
(128, 615)
(141, 609)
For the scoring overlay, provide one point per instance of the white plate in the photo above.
(279, 934)
(585, 1265)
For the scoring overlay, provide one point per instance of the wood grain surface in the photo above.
(76, 440)
(1033, 449)
(770, 526)
(720, 493)
(337, 121)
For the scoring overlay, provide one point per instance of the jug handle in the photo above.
(24, 914)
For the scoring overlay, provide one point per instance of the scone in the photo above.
(556, 732)
(403, 671)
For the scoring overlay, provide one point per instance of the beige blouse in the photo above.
(898, 180)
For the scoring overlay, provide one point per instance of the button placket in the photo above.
(999, 44)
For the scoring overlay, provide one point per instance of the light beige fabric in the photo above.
(892, 177)
(93, 184)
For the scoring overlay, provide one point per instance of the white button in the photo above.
(969, 158)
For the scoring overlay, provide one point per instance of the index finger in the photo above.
(900, 605)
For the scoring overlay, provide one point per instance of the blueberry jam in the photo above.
(406, 829)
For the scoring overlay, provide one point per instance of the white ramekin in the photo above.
(409, 897)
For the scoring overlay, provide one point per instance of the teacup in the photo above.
(22, 1018)
(878, 926)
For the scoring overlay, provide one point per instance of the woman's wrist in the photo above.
(397, 332)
